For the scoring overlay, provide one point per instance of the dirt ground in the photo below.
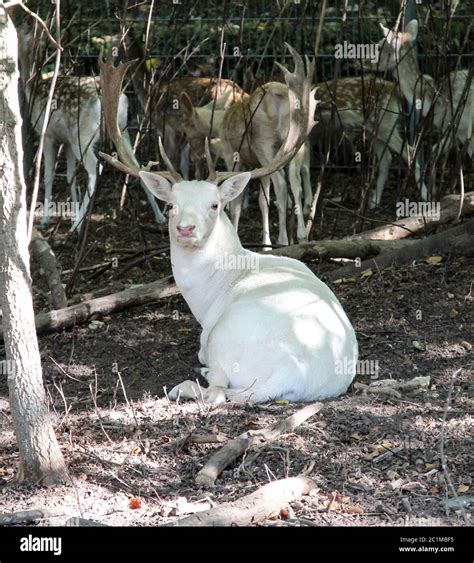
(376, 459)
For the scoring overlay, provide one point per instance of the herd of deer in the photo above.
(274, 331)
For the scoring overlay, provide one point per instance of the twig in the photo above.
(47, 112)
(441, 447)
(236, 447)
(37, 18)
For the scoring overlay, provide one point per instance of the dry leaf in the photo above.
(432, 465)
(367, 273)
(453, 313)
(451, 295)
(354, 509)
(134, 503)
(463, 488)
(356, 436)
(434, 260)
(344, 280)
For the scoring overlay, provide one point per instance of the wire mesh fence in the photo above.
(237, 39)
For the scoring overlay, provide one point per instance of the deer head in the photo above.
(394, 45)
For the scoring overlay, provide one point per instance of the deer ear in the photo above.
(186, 105)
(234, 186)
(158, 186)
(412, 29)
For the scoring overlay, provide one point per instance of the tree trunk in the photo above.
(40, 455)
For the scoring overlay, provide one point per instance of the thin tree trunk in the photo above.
(40, 455)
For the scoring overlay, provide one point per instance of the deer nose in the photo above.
(185, 231)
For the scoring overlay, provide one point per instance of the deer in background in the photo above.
(254, 129)
(452, 101)
(345, 105)
(74, 123)
(159, 98)
(355, 104)
(270, 328)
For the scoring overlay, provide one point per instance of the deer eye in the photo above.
(169, 207)
(215, 206)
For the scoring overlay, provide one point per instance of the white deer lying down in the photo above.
(271, 328)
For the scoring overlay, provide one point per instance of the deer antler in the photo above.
(302, 107)
(212, 177)
(111, 80)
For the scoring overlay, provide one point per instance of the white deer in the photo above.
(270, 328)
(452, 100)
(74, 123)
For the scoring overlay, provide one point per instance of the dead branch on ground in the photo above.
(254, 508)
(252, 438)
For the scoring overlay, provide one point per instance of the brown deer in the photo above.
(160, 98)
(249, 133)
(451, 101)
(355, 104)
(251, 129)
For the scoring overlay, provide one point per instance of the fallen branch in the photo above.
(392, 387)
(10, 518)
(454, 241)
(411, 225)
(252, 438)
(254, 508)
(351, 249)
(82, 312)
(82, 522)
(49, 267)
(197, 439)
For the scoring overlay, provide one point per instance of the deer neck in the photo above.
(25, 59)
(202, 274)
(206, 119)
(414, 86)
